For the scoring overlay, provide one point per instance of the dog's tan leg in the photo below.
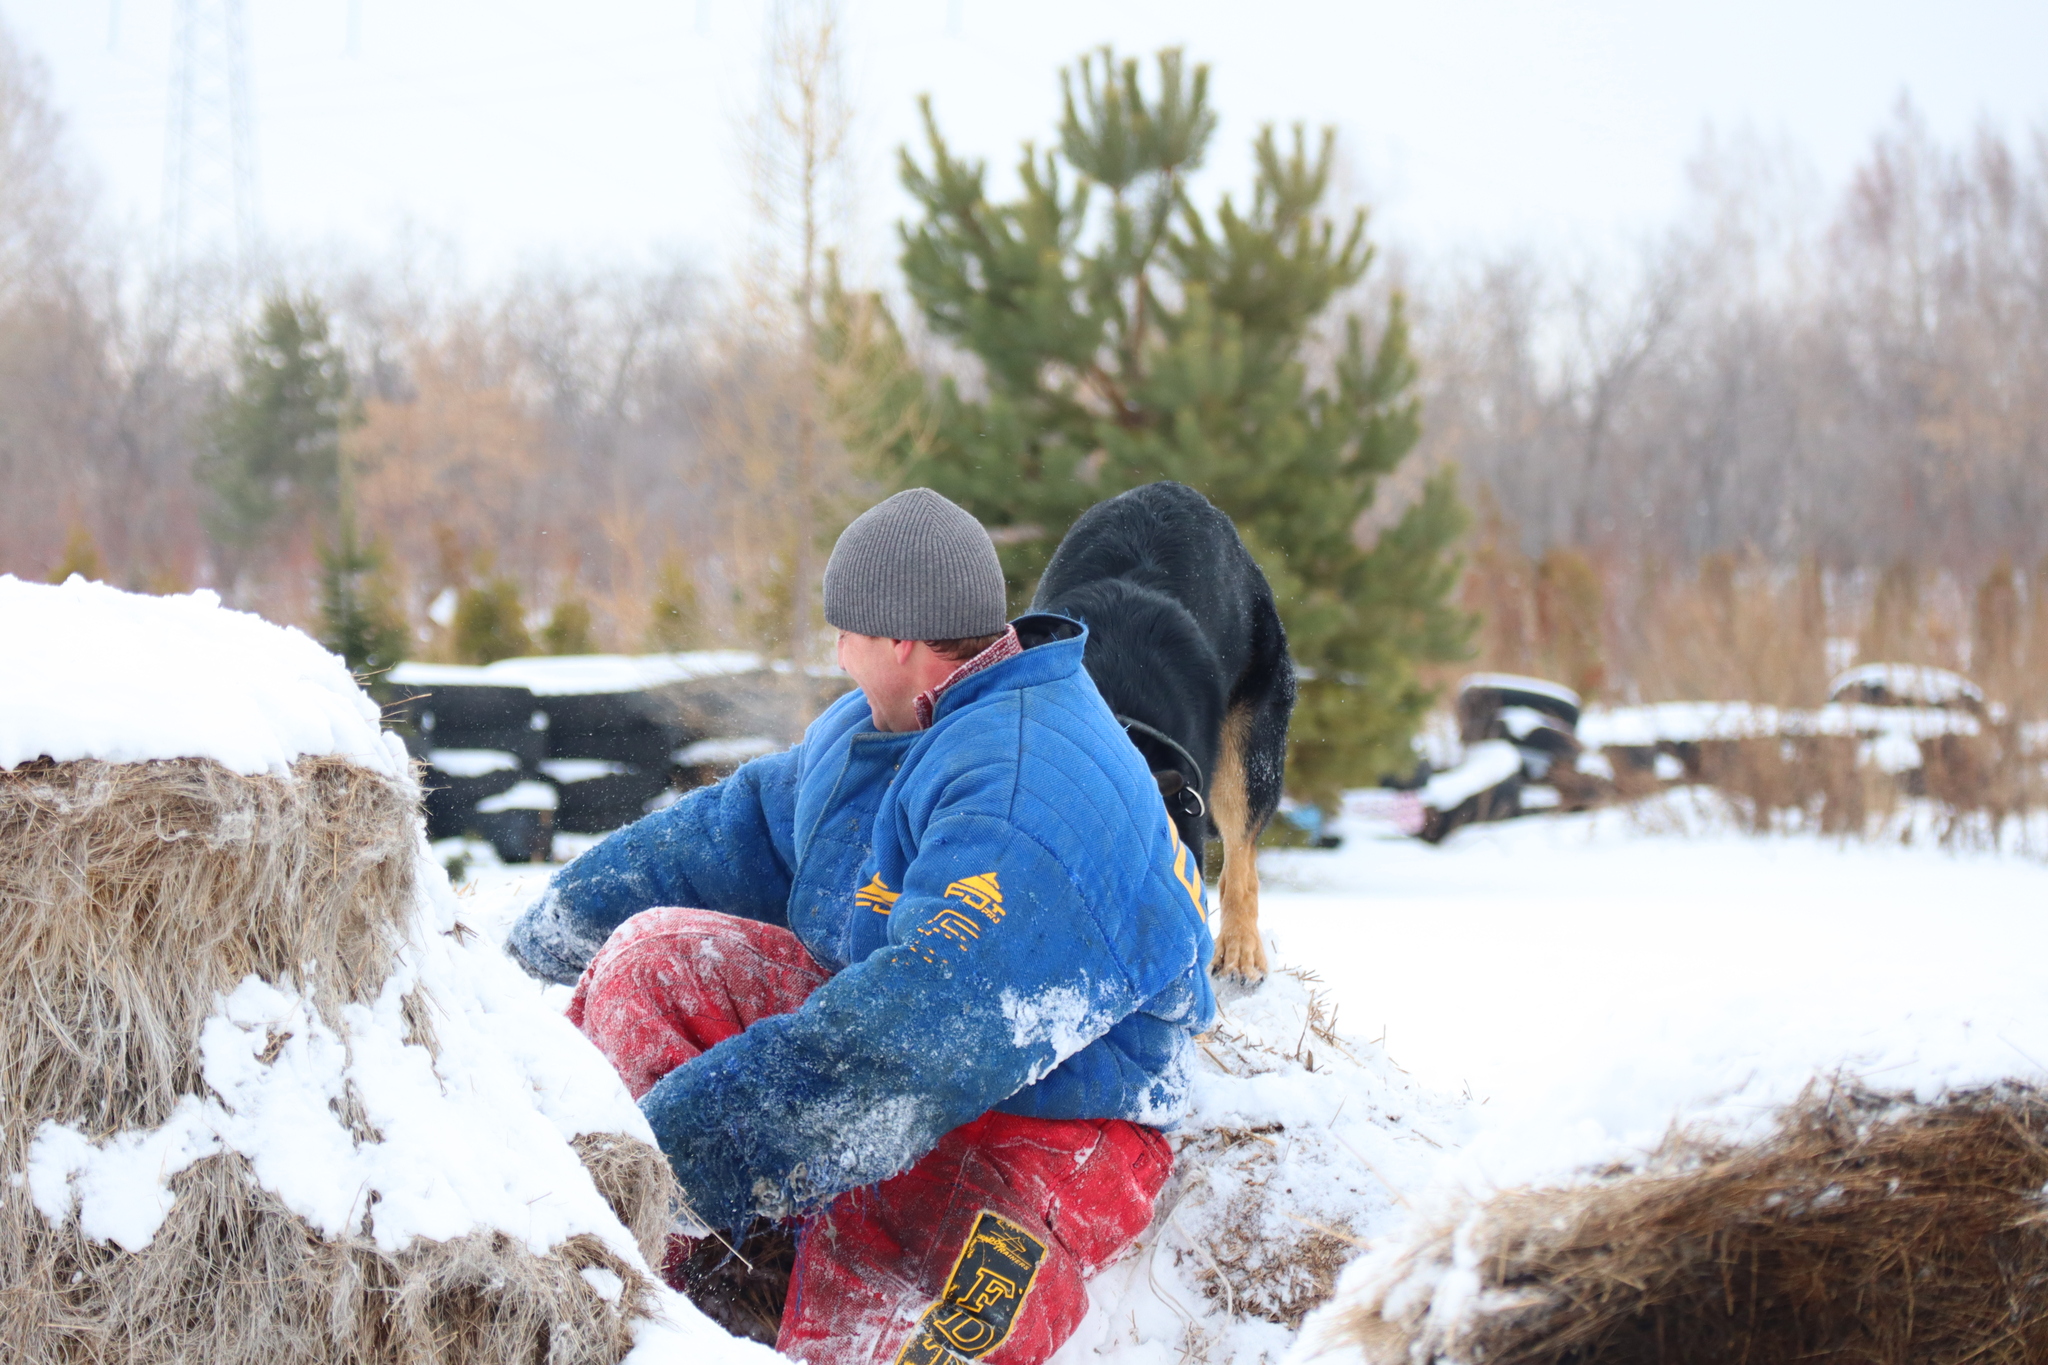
(1240, 952)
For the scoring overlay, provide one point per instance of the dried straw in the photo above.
(1865, 1228)
(639, 1184)
(1226, 1219)
(131, 895)
(135, 893)
(235, 1277)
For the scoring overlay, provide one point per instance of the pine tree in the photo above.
(276, 458)
(1125, 336)
(490, 623)
(360, 618)
(274, 454)
(568, 628)
(674, 620)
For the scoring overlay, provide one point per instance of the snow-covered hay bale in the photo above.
(1299, 1141)
(263, 1097)
(137, 893)
(1863, 1227)
(1266, 1214)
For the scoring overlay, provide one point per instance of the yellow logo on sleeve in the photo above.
(1186, 870)
(952, 924)
(877, 897)
(982, 893)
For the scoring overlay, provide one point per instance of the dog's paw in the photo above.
(1239, 955)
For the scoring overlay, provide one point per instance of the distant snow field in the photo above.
(1589, 977)
(1526, 1000)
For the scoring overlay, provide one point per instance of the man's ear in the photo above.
(903, 649)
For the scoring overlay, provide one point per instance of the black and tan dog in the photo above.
(1186, 646)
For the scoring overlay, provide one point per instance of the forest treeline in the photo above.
(1805, 429)
(1797, 428)
(616, 439)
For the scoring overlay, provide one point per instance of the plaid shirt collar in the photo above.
(1006, 646)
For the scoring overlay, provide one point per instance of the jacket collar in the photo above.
(1052, 650)
(1006, 646)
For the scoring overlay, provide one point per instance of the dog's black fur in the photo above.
(1183, 637)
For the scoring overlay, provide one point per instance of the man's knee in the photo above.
(673, 982)
(986, 1243)
(671, 932)
(1108, 1200)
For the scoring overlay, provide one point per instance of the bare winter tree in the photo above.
(1783, 404)
(1869, 387)
(797, 148)
(90, 428)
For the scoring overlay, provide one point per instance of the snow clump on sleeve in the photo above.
(1062, 1016)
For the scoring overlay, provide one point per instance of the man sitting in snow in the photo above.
(937, 986)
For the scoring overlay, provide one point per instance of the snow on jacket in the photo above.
(1011, 921)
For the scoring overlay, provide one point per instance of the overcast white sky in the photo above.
(525, 129)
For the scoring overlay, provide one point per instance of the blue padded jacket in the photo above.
(1011, 921)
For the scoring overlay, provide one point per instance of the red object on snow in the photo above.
(979, 1251)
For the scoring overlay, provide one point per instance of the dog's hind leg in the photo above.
(1240, 951)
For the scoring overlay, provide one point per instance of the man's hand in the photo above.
(543, 945)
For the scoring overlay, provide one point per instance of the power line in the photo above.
(209, 203)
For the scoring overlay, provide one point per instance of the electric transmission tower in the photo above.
(209, 205)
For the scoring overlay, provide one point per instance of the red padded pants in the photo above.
(978, 1251)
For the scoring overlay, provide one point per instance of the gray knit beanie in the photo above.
(915, 567)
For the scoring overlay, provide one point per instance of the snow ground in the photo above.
(1543, 995)
(1587, 978)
